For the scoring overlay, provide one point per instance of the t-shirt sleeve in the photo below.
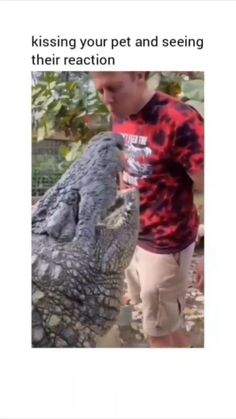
(188, 141)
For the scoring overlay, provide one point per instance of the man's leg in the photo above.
(174, 340)
(180, 340)
(133, 284)
(163, 280)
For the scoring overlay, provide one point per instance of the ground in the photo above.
(127, 333)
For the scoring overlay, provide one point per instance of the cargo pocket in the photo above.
(180, 301)
(170, 310)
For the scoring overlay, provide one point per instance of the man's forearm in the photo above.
(198, 183)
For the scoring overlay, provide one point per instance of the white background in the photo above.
(118, 383)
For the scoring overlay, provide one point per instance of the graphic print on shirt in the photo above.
(136, 152)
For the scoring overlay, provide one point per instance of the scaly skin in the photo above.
(83, 238)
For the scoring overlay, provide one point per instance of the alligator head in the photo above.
(84, 233)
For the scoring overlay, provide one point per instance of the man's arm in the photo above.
(198, 183)
(188, 149)
(200, 275)
(188, 145)
(198, 189)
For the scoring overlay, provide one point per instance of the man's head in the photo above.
(124, 93)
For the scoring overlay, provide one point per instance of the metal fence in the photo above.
(48, 165)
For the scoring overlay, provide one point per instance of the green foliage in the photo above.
(64, 105)
(188, 86)
(193, 94)
(46, 171)
(70, 107)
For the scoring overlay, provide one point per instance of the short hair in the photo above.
(146, 73)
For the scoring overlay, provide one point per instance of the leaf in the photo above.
(43, 83)
(74, 152)
(154, 81)
(36, 91)
(61, 84)
(74, 85)
(48, 101)
(38, 115)
(40, 134)
(52, 84)
(193, 89)
(55, 107)
(64, 150)
(199, 106)
(40, 100)
(49, 128)
(64, 96)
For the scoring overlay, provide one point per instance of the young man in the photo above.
(164, 155)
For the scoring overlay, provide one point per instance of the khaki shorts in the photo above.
(159, 281)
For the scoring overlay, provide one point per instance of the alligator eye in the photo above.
(119, 146)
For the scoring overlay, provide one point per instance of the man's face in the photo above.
(120, 91)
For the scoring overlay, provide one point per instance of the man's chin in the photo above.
(118, 115)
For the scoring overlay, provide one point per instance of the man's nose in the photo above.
(108, 97)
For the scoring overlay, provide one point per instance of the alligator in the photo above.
(84, 233)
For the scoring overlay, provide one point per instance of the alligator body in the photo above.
(84, 233)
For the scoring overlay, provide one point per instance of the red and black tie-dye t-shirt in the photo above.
(164, 148)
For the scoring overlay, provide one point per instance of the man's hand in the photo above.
(200, 233)
(200, 275)
(198, 182)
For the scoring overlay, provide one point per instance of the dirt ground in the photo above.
(127, 333)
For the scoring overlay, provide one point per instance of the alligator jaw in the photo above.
(84, 235)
